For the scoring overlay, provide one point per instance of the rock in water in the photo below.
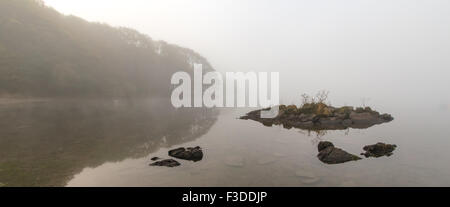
(323, 145)
(194, 154)
(167, 163)
(332, 155)
(379, 149)
(155, 158)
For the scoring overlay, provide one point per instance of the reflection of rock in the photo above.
(194, 154)
(379, 149)
(307, 177)
(321, 117)
(167, 163)
(347, 123)
(235, 161)
(332, 155)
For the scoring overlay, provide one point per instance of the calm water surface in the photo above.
(110, 143)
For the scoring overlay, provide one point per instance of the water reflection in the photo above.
(318, 134)
(242, 153)
(47, 143)
(320, 124)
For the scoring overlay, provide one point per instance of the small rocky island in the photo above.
(320, 116)
(315, 114)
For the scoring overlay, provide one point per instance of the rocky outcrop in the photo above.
(191, 153)
(166, 163)
(332, 155)
(322, 117)
(379, 149)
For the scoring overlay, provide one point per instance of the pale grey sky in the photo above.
(391, 51)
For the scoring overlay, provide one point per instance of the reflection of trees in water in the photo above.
(318, 134)
(45, 144)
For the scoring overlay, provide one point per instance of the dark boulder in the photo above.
(332, 155)
(167, 163)
(155, 158)
(323, 145)
(194, 154)
(379, 149)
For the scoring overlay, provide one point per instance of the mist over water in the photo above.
(389, 55)
(373, 50)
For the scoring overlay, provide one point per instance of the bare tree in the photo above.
(322, 96)
(305, 99)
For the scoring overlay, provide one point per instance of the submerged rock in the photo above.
(307, 177)
(279, 155)
(266, 160)
(332, 155)
(379, 149)
(194, 154)
(319, 116)
(166, 163)
(235, 161)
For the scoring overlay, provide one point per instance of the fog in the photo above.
(389, 53)
(87, 104)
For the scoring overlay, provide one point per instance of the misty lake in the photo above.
(111, 143)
